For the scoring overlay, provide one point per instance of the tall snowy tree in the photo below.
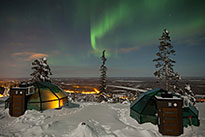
(103, 70)
(164, 62)
(41, 70)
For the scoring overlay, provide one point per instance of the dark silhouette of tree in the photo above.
(164, 62)
(103, 70)
(41, 70)
(2, 89)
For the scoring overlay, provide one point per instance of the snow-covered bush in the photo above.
(189, 93)
(186, 93)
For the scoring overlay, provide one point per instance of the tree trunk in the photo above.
(166, 79)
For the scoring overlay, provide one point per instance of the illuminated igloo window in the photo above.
(46, 96)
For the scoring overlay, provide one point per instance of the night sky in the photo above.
(73, 33)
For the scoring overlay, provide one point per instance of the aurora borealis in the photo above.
(73, 33)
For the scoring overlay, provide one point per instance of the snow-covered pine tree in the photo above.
(103, 70)
(41, 70)
(164, 63)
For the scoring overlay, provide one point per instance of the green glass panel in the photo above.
(35, 106)
(150, 108)
(34, 97)
(60, 95)
(50, 105)
(146, 118)
(47, 95)
(140, 105)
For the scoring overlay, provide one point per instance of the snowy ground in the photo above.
(101, 120)
(128, 88)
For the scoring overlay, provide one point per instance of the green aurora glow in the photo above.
(73, 33)
(106, 24)
(130, 16)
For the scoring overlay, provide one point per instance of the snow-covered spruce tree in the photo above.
(103, 70)
(164, 62)
(102, 97)
(41, 70)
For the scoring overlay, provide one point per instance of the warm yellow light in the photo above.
(61, 103)
(69, 91)
(50, 105)
(90, 91)
(124, 97)
(76, 86)
(132, 98)
(97, 91)
(3, 86)
(1, 95)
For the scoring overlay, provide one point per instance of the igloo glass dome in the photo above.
(46, 96)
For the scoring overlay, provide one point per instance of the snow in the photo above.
(129, 81)
(188, 87)
(166, 98)
(127, 88)
(85, 120)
